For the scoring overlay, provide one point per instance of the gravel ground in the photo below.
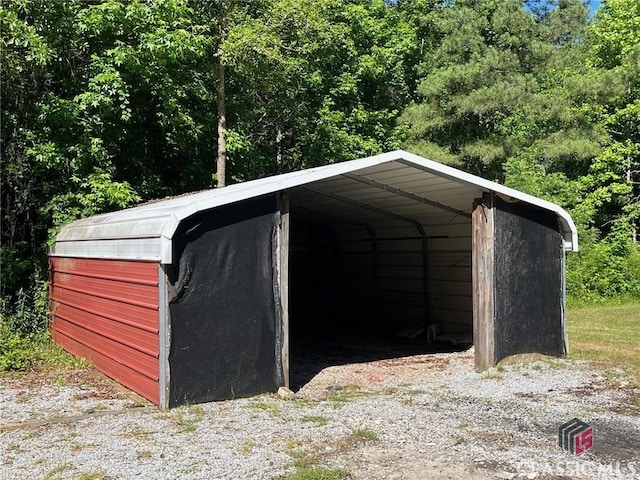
(426, 416)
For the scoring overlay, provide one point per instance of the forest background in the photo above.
(105, 104)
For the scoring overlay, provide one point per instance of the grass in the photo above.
(101, 475)
(493, 373)
(247, 447)
(37, 353)
(364, 434)
(608, 336)
(271, 408)
(136, 431)
(317, 419)
(306, 466)
(187, 417)
(318, 473)
(55, 472)
(346, 395)
(307, 462)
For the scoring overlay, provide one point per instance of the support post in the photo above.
(284, 284)
(164, 337)
(483, 269)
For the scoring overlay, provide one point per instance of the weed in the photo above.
(492, 374)
(136, 432)
(633, 405)
(247, 447)
(346, 395)
(76, 446)
(192, 469)
(317, 419)
(318, 473)
(291, 445)
(459, 439)
(364, 434)
(301, 458)
(416, 391)
(272, 408)
(101, 475)
(188, 417)
(301, 402)
(99, 407)
(307, 468)
(144, 455)
(18, 353)
(55, 471)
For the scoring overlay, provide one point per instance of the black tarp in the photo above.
(529, 283)
(224, 318)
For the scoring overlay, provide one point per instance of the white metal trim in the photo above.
(464, 177)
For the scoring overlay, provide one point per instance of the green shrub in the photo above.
(23, 326)
(15, 350)
(603, 270)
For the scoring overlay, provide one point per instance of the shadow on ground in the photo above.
(309, 356)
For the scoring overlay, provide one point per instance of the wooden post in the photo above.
(284, 284)
(483, 282)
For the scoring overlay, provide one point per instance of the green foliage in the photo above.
(108, 103)
(29, 314)
(22, 324)
(315, 472)
(15, 350)
(603, 269)
(615, 35)
(314, 82)
(364, 434)
(484, 94)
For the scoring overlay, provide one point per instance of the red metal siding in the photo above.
(107, 311)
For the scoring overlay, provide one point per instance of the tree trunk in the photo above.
(222, 125)
(279, 149)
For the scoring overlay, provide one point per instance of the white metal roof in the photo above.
(395, 180)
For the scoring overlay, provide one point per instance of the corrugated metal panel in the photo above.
(145, 232)
(146, 249)
(107, 311)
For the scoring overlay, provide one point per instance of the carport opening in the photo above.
(361, 290)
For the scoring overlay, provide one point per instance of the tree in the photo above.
(313, 82)
(615, 180)
(99, 108)
(495, 73)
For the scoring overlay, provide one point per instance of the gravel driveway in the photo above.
(426, 416)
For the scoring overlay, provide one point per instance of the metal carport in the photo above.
(404, 241)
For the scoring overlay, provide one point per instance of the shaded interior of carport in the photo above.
(378, 267)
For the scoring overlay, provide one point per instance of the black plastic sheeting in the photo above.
(224, 315)
(529, 282)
